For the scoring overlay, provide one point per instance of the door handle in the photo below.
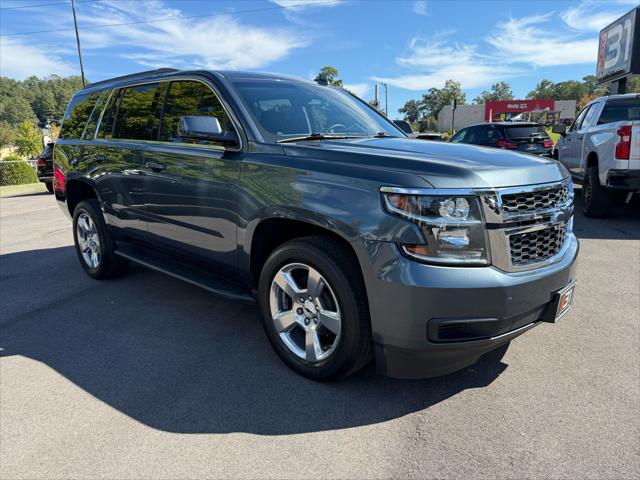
(99, 158)
(155, 166)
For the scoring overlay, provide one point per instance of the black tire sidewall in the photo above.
(49, 186)
(341, 360)
(601, 200)
(91, 208)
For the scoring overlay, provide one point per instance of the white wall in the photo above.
(465, 115)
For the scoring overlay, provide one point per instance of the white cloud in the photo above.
(306, 3)
(20, 61)
(435, 61)
(217, 42)
(522, 40)
(590, 16)
(358, 89)
(420, 7)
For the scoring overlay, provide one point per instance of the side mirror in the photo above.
(560, 128)
(194, 127)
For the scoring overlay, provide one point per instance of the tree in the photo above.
(410, 111)
(329, 76)
(499, 91)
(7, 135)
(436, 98)
(28, 140)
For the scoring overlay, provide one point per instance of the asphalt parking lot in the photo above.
(149, 377)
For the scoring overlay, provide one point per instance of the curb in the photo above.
(27, 189)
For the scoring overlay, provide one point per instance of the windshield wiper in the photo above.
(317, 136)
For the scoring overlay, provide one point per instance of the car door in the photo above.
(190, 194)
(570, 147)
(130, 120)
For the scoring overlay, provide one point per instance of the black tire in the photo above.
(338, 266)
(49, 186)
(597, 201)
(110, 265)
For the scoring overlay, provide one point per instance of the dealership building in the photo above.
(466, 115)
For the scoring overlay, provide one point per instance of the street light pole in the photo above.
(75, 24)
(386, 100)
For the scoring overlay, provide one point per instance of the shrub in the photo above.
(14, 171)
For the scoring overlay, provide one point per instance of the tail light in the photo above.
(42, 163)
(548, 144)
(505, 144)
(58, 179)
(623, 147)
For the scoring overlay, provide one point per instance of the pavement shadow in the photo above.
(623, 224)
(179, 359)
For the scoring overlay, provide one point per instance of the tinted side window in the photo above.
(77, 114)
(137, 117)
(459, 137)
(90, 129)
(105, 130)
(578, 121)
(588, 118)
(472, 135)
(620, 110)
(187, 98)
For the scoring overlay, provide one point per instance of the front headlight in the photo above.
(452, 226)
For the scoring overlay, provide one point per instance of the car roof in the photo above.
(620, 96)
(167, 73)
(504, 124)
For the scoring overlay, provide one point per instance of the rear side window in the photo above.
(90, 129)
(525, 131)
(620, 110)
(460, 136)
(77, 115)
(487, 135)
(186, 98)
(137, 116)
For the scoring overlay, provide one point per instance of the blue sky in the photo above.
(410, 45)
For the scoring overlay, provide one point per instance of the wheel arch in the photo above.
(77, 190)
(269, 233)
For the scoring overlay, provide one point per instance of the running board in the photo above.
(184, 272)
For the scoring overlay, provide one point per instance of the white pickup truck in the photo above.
(601, 149)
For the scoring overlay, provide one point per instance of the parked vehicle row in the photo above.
(357, 242)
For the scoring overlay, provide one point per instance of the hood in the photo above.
(442, 165)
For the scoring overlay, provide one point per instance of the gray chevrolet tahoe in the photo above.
(357, 242)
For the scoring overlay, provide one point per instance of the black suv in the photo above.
(356, 241)
(522, 136)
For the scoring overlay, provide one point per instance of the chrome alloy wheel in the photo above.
(88, 240)
(305, 312)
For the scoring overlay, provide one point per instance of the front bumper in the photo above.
(409, 301)
(624, 180)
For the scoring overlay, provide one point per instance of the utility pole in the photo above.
(453, 114)
(75, 24)
(386, 100)
(375, 94)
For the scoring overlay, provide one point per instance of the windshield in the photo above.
(284, 110)
(525, 131)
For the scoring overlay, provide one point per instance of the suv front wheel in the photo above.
(314, 308)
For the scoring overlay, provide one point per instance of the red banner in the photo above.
(495, 108)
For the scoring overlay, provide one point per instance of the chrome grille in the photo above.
(536, 246)
(523, 202)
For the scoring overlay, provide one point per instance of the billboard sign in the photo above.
(619, 48)
(494, 108)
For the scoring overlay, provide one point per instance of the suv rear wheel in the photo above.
(597, 201)
(94, 246)
(314, 308)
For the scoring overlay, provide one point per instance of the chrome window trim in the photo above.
(500, 225)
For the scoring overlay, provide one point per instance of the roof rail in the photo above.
(132, 76)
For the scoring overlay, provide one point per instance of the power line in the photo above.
(168, 19)
(45, 4)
